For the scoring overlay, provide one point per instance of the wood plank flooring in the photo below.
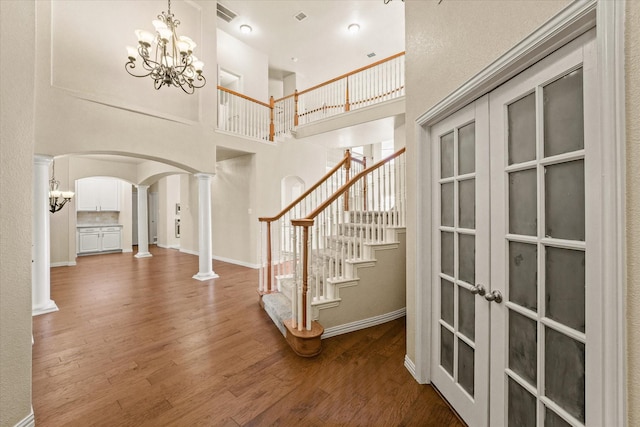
(138, 342)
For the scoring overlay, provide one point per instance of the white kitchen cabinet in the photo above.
(111, 239)
(89, 240)
(98, 194)
(99, 239)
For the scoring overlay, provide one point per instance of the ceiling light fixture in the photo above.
(174, 63)
(353, 28)
(57, 198)
(246, 29)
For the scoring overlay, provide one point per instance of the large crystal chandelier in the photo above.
(173, 63)
(57, 198)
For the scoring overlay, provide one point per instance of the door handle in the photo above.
(478, 289)
(494, 295)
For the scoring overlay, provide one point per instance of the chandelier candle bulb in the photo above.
(173, 63)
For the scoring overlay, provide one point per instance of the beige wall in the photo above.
(632, 46)
(17, 28)
(440, 60)
(447, 44)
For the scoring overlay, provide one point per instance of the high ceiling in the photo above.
(321, 43)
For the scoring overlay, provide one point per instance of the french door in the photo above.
(515, 340)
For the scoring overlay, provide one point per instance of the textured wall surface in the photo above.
(446, 45)
(17, 34)
(632, 47)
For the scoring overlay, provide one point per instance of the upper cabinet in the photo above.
(98, 194)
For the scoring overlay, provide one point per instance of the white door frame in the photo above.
(575, 19)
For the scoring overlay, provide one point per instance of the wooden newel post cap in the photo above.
(304, 222)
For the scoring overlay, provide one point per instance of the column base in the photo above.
(49, 307)
(206, 276)
(143, 255)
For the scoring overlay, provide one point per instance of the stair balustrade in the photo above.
(277, 250)
(375, 83)
(340, 231)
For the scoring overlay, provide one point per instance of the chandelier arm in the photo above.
(131, 65)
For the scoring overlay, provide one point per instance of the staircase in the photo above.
(341, 264)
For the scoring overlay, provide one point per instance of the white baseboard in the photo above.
(167, 246)
(362, 324)
(411, 367)
(223, 259)
(28, 421)
(63, 264)
(124, 251)
(236, 262)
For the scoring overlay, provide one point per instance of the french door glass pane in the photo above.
(446, 253)
(465, 366)
(551, 419)
(521, 406)
(467, 149)
(467, 205)
(466, 313)
(564, 200)
(446, 155)
(564, 289)
(523, 344)
(446, 204)
(523, 274)
(563, 115)
(467, 258)
(523, 217)
(564, 374)
(446, 301)
(446, 349)
(522, 130)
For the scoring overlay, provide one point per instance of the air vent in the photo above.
(371, 55)
(225, 13)
(300, 16)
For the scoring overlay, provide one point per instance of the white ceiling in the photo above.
(322, 44)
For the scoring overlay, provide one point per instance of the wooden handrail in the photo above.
(352, 182)
(352, 72)
(248, 98)
(326, 176)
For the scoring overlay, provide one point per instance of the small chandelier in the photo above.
(173, 63)
(57, 198)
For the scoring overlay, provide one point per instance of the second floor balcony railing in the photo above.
(375, 83)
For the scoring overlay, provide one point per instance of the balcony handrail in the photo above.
(350, 73)
(248, 98)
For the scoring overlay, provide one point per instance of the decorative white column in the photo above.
(143, 223)
(205, 251)
(41, 265)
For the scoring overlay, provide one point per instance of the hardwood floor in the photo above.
(138, 342)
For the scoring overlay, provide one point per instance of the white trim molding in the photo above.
(577, 18)
(236, 262)
(363, 324)
(411, 367)
(63, 264)
(28, 421)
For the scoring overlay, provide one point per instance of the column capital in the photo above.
(142, 187)
(42, 159)
(205, 176)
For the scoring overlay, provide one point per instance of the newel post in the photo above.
(305, 224)
(272, 128)
(347, 107)
(268, 257)
(347, 167)
(306, 339)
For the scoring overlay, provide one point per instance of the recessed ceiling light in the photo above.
(294, 59)
(353, 28)
(246, 29)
